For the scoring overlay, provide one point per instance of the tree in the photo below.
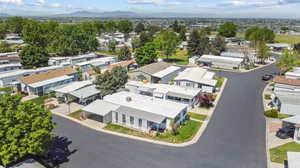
(228, 29)
(3, 31)
(125, 27)
(152, 29)
(145, 37)
(112, 46)
(33, 56)
(25, 129)
(263, 52)
(297, 47)
(135, 43)
(124, 54)
(5, 47)
(110, 81)
(218, 45)
(167, 42)
(110, 26)
(146, 54)
(206, 100)
(257, 35)
(288, 60)
(198, 44)
(140, 27)
(15, 24)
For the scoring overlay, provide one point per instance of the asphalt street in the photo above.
(234, 138)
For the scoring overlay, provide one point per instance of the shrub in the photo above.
(273, 113)
(267, 97)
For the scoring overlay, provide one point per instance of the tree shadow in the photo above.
(58, 154)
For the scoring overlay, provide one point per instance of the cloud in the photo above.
(155, 2)
(40, 2)
(255, 4)
(16, 2)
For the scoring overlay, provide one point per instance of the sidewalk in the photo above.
(95, 126)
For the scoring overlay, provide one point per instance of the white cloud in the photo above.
(16, 2)
(40, 2)
(154, 2)
(55, 5)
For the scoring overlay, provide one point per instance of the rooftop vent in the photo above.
(128, 99)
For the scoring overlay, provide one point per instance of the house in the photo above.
(137, 111)
(9, 60)
(129, 65)
(193, 60)
(10, 67)
(293, 160)
(189, 96)
(221, 61)
(42, 83)
(13, 39)
(10, 78)
(293, 121)
(279, 46)
(286, 95)
(83, 92)
(72, 60)
(89, 75)
(196, 77)
(294, 74)
(30, 163)
(160, 72)
(99, 62)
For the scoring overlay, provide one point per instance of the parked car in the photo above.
(267, 77)
(284, 133)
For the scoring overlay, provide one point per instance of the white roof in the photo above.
(198, 75)
(10, 65)
(73, 86)
(148, 104)
(164, 88)
(278, 45)
(27, 71)
(49, 81)
(8, 54)
(166, 71)
(293, 159)
(101, 107)
(293, 120)
(96, 61)
(85, 92)
(233, 54)
(214, 58)
(290, 103)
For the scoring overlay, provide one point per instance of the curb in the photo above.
(193, 141)
(238, 71)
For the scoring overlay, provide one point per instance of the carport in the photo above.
(295, 120)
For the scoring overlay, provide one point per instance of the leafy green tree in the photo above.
(125, 27)
(218, 45)
(140, 27)
(124, 54)
(99, 26)
(15, 24)
(198, 44)
(110, 26)
(135, 43)
(112, 46)
(263, 52)
(110, 81)
(167, 41)
(152, 29)
(288, 60)
(35, 34)
(297, 47)
(146, 54)
(3, 31)
(257, 35)
(25, 129)
(33, 56)
(228, 29)
(145, 37)
(5, 47)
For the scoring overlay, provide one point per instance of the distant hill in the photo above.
(4, 15)
(99, 14)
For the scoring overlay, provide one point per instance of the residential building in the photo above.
(72, 60)
(13, 39)
(193, 60)
(137, 111)
(189, 96)
(293, 160)
(279, 46)
(221, 61)
(160, 72)
(10, 67)
(82, 92)
(295, 122)
(9, 60)
(99, 62)
(129, 65)
(196, 77)
(42, 83)
(294, 74)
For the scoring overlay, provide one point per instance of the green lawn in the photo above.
(7, 90)
(267, 96)
(76, 114)
(106, 52)
(220, 81)
(41, 100)
(186, 132)
(290, 39)
(279, 154)
(180, 58)
(197, 116)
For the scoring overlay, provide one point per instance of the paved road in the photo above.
(234, 138)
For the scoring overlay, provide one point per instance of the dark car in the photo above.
(267, 77)
(284, 133)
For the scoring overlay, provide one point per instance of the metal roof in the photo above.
(166, 71)
(220, 59)
(293, 120)
(198, 75)
(101, 107)
(85, 92)
(73, 86)
(49, 81)
(293, 159)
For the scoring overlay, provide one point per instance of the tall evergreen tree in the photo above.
(198, 44)
(140, 27)
(218, 45)
(124, 54)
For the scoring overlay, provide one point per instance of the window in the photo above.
(131, 120)
(140, 122)
(117, 117)
(123, 118)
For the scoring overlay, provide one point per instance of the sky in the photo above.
(205, 8)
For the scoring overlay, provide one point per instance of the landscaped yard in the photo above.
(279, 154)
(106, 52)
(185, 133)
(76, 114)
(197, 116)
(41, 100)
(220, 81)
(7, 90)
(180, 58)
(290, 39)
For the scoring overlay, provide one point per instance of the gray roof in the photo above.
(293, 120)
(139, 113)
(154, 67)
(100, 107)
(293, 159)
(85, 92)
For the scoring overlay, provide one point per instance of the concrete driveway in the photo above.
(234, 138)
(64, 108)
